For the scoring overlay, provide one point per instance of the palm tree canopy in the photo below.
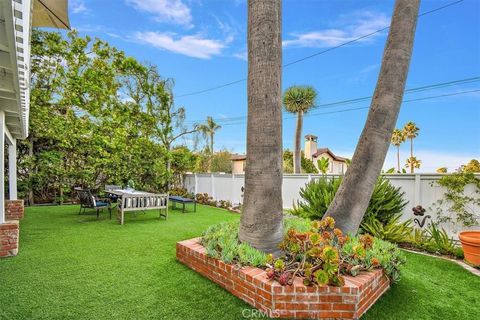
(299, 98)
(413, 161)
(398, 137)
(410, 130)
(209, 127)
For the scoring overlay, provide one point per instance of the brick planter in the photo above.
(9, 232)
(297, 301)
(14, 209)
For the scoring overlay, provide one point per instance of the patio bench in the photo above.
(142, 202)
(183, 201)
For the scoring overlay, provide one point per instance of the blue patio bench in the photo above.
(183, 201)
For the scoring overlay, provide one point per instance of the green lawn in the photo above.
(78, 267)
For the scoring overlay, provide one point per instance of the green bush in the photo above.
(387, 201)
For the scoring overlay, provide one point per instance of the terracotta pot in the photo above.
(471, 246)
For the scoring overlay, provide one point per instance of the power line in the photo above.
(366, 107)
(363, 99)
(315, 54)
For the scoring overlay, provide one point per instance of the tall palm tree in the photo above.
(410, 131)
(397, 139)
(261, 220)
(298, 99)
(352, 198)
(208, 130)
(412, 163)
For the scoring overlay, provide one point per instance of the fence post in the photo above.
(195, 187)
(212, 182)
(417, 190)
(309, 178)
(232, 189)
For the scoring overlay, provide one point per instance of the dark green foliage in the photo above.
(386, 202)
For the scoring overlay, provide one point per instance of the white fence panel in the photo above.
(420, 189)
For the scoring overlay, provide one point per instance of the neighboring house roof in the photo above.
(321, 151)
(238, 157)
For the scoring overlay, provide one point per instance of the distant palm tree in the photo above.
(398, 137)
(299, 99)
(208, 130)
(323, 164)
(411, 132)
(412, 163)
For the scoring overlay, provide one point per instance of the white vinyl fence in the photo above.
(420, 189)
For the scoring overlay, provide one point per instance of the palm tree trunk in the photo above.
(211, 152)
(352, 198)
(261, 220)
(411, 155)
(297, 161)
(398, 158)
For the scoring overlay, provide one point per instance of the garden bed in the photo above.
(297, 301)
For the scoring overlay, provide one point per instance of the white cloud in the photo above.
(349, 28)
(431, 160)
(172, 11)
(241, 55)
(190, 45)
(78, 6)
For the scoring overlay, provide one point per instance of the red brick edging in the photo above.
(297, 301)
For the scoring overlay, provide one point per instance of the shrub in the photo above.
(204, 198)
(181, 192)
(386, 202)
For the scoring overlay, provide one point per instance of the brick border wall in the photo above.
(297, 301)
(9, 234)
(14, 209)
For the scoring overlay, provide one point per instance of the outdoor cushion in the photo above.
(101, 204)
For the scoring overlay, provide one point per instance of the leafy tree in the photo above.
(442, 170)
(472, 166)
(221, 162)
(299, 99)
(398, 137)
(307, 164)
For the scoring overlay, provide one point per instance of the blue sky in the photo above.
(202, 44)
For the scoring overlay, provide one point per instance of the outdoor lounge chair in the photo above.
(89, 201)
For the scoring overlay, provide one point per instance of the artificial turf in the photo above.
(78, 267)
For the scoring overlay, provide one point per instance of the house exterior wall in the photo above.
(238, 166)
(336, 167)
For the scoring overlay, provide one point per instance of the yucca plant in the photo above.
(393, 231)
(387, 201)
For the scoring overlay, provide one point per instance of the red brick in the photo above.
(296, 301)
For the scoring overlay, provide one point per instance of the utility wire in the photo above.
(363, 99)
(366, 107)
(315, 54)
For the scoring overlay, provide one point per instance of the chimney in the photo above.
(310, 146)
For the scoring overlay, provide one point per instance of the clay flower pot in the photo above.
(471, 246)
